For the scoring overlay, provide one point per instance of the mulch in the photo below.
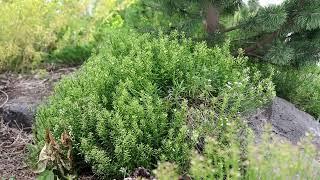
(14, 141)
(13, 147)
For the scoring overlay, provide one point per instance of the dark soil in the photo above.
(13, 152)
(25, 93)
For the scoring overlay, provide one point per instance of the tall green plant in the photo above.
(29, 29)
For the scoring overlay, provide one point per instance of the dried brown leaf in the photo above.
(65, 139)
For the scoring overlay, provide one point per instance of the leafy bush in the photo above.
(128, 106)
(71, 55)
(29, 29)
(301, 87)
(270, 159)
(282, 160)
(62, 30)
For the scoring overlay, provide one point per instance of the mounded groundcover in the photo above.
(129, 105)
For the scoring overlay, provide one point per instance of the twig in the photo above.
(231, 28)
(17, 139)
(7, 98)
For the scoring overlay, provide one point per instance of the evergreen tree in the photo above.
(285, 34)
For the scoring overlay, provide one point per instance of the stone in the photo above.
(26, 93)
(286, 121)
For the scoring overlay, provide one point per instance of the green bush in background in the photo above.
(271, 158)
(301, 87)
(29, 30)
(33, 32)
(71, 55)
(128, 105)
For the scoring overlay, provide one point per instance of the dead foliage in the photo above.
(56, 156)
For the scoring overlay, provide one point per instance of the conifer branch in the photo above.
(268, 38)
(231, 29)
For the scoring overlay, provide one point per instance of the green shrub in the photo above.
(71, 55)
(269, 159)
(280, 159)
(301, 87)
(32, 30)
(29, 30)
(128, 106)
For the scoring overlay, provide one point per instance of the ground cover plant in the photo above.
(128, 105)
(272, 158)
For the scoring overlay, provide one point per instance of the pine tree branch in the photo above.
(254, 55)
(231, 28)
(153, 6)
(268, 38)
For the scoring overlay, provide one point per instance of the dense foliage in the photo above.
(29, 30)
(34, 32)
(286, 34)
(166, 81)
(270, 159)
(128, 105)
(300, 86)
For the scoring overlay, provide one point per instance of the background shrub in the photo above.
(60, 31)
(301, 87)
(29, 30)
(129, 104)
(71, 55)
(272, 158)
